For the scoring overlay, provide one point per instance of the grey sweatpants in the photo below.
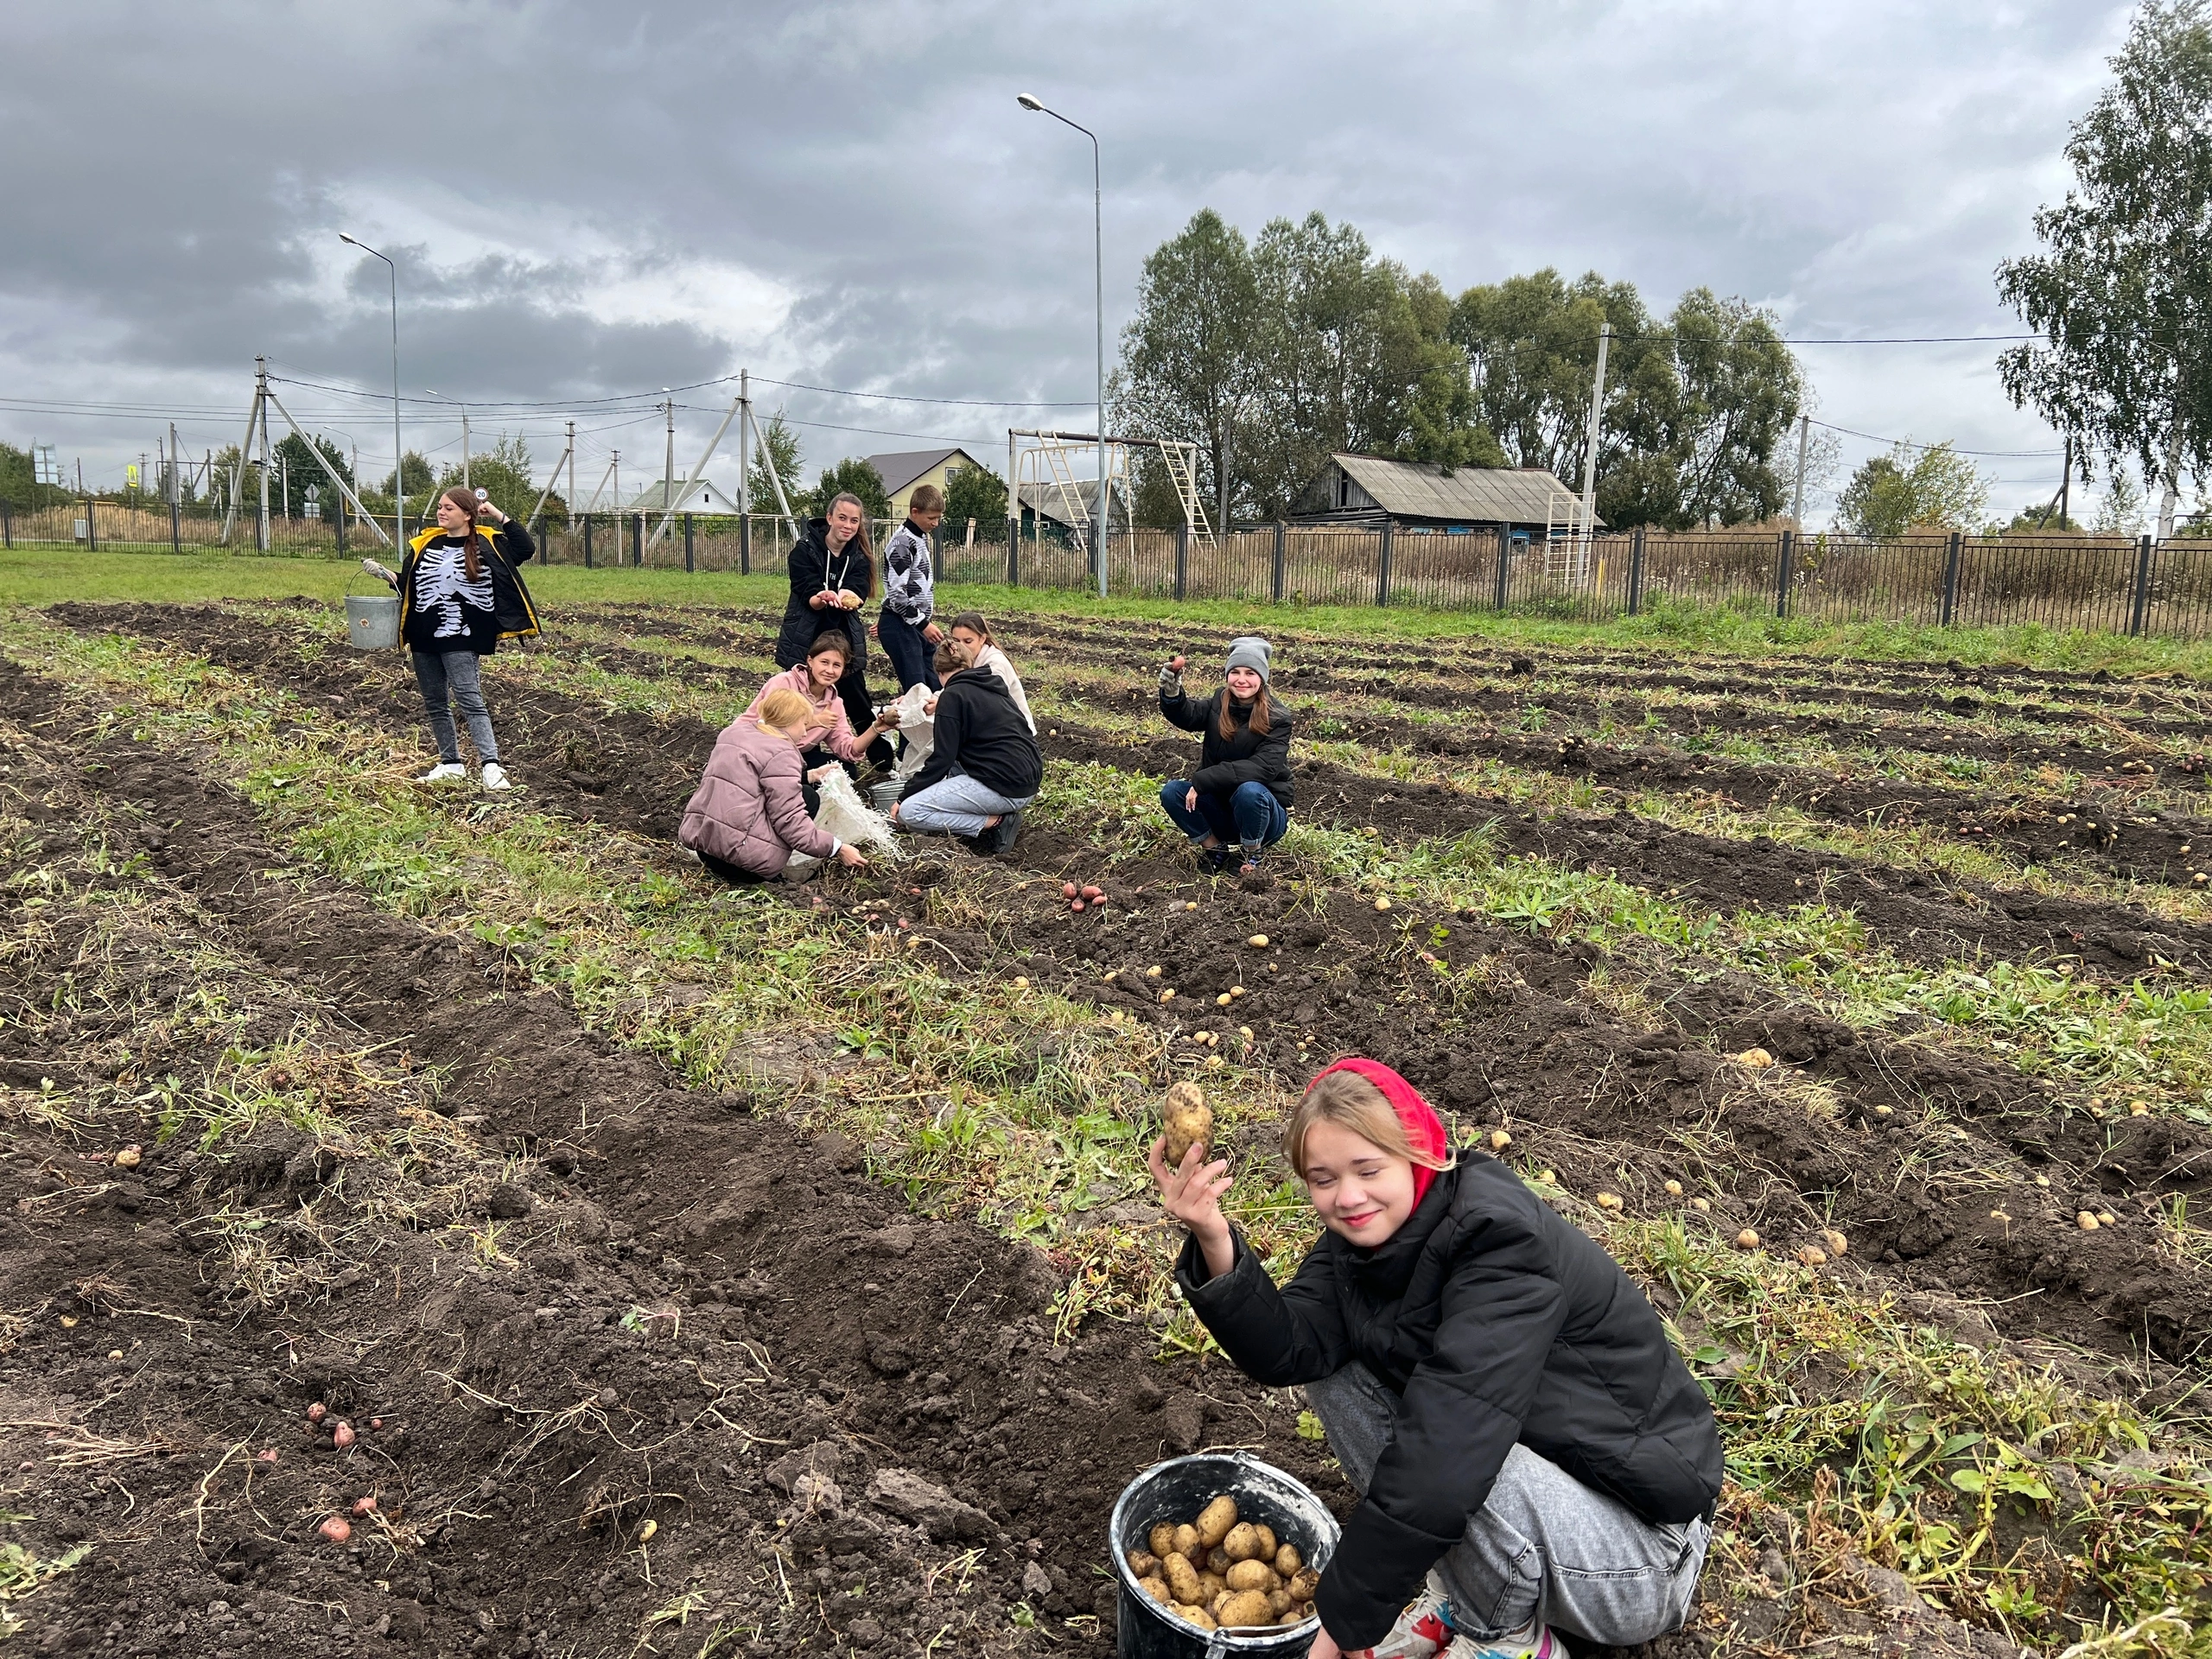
(448, 677)
(956, 805)
(1543, 1546)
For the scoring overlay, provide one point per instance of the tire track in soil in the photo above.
(941, 1367)
(2098, 1290)
(638, 773)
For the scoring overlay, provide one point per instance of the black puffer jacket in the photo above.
(1547, 1345)
(980, 732)
(1226, 762)
(814, 570)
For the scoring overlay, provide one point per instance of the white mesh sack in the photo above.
(917, 732)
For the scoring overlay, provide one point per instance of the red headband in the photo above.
(1424, 1128)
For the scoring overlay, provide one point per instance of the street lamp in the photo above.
(398, 451)
(442, 399)
(1099, 517)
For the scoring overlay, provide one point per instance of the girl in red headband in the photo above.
(1531, 1451)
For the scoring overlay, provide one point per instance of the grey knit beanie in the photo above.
(1250, 651)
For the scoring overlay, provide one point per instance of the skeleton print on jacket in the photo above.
(442, 587)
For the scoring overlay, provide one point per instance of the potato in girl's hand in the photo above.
(1188, 1121)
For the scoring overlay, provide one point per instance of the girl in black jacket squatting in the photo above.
(460, 593)
(1242, 790)
(1522, 1430)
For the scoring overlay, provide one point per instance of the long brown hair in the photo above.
(1258, 720)
(867, 551)
(464, 497)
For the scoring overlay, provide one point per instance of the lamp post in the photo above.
(1099, 516)
(442, 399)
(398, 450)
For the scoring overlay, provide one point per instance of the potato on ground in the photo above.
(1247, 1607)
(1216, 1520)
(1188, 1121)
(1251, 1575)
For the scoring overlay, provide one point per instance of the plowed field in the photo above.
(774, 1271)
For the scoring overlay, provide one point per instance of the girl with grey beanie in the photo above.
(1238, 801)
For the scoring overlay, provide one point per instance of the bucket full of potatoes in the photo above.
(1218, 1553)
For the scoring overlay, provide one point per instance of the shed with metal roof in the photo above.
(1420, 495)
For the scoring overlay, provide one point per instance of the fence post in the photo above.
(637, 541)
(2138, 609)
(1014, 552)
(1951, 578)
(587, 540)
(91, 527)
(744, 544)
(7, 526)
(689, 566)
(1636, 572)
(1382, 568)
(1182, 557)
(1782, 573)
(1504, 561)
(176, 525)
(337, 524)
(1282, 536)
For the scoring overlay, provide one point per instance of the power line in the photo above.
(1912, 443)
(1905, 340)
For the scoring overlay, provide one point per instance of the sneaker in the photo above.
(1422, 1631)
(1212, 861)
(495, 776)
(446, 771)
(1537, 1642)
(1000, 838)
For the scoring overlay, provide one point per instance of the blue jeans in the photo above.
(1251, 815)
(956, 805)
(909, 651)
(448, 677)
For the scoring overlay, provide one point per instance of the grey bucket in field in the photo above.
(372, 621)
(1177, 1491)
(886, 795)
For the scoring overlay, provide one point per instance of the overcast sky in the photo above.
(587, 200)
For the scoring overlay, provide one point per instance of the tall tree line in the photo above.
(1273, 353)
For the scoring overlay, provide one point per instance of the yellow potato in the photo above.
(1185, 1542)
(1162, 1539)
(1219, 1516)
(1243, 1543)
(1288, 1560)
(1217, 1561)
(1197, 1616)
(1157, 1589)
(1279, 1602)
(1183, 1579)
(1188, 1121)
(1143, 1564)
(1252, 1575)
(1247, 1607)
(1211, 1584)
(1267, 1534)
(1305, 1583)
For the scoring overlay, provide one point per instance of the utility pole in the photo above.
(464, 447)
(2066, 487)
(617, 475)
(744, 431)
(668, 473)
(261, 413)
(1797, 492)
(1590, 456)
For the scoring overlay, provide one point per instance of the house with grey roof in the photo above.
(1417, 496)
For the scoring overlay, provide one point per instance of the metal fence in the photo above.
(2109, 584)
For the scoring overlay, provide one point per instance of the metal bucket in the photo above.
(886, 795)
(1177, 1491)
(372, 621)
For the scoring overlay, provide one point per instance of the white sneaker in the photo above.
(1422, 1631)
(1534, 1643)
(445, 772)
(495, 776)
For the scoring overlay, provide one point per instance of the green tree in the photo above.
(299, 461)
(1913, 488)
(2120, 511)
(2122, 291)
(1190, 366)
(503, 470)
(421, 481)
(975, 493)
(778, 443)
(18, 481)
(1739, 393)
(853, 475)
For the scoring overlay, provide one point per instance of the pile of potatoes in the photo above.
(1219, 1572)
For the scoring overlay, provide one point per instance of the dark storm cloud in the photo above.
(586, 200)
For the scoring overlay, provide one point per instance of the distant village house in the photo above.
(1420, 497)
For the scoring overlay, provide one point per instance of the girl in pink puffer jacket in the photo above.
(747, 817)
